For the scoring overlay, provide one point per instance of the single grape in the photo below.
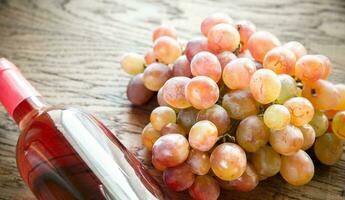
(155, 75)
(341, 91)
(252, 134)
(225, 57)
(246, 54)
(202, 92)
(327, 66)
(297, 48)
(338, 125)
(162, 116)
(288, 88)
(204, 188)
(266, 162)
(228, 161)
(160, 98)
(181, 67)
(328, 149)
(260, 43)
(240, 104)
(245, 183)
(280, 60)
(237, 73)
(199, 162)
(173, 128)
(187, 118)
(149, 136)
(203, 135)
(301, 110)
(174, 92)
(246, 30)
(157, 165)
(150, 57)
(179, 178)
(212, 20)
(166, 49)
(170, 150)
(206, 64)
(308, 136)
(195, 46)
(164, 30)
(287, 141)
(218, 116)
(132, 63)
(297, 169)
(322, 94)
(319, 123)
(265, 86)
(223, 37)
(137, 93)
(309, 68)
(277, 117)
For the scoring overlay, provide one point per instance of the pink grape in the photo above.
(225, 57)
(174, 92)
(199, 162)
(260, 43)
(187, 118)
(195, 46)
(309, 68)
(223, 37)
(155, 75)
(160, 99)
(164, 30)
(181, 67)
(280, 60)
(266, 162)
(218, 116)
(246, 30)
(212, 20)
(301, 110)
(166, 49)
(170, 150)
(178, 178)
(173, 128)
(150, 57)
(237, 73)
(206, 64)
(137, 93)
(297, 48)
(204, 188)
(203, 135)
(308, 136)
(327, 66)
(149, 136)
(287, 141)
(158, 165)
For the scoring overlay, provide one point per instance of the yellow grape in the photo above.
(246, 30)
(301, 110)
(240, 104)
(223, 37)
(322, 94)
(228, 161)
(164, 30)
(328, 149)
(338, 125)
(218, 116)
(252, 134)
(155, 75)
(203, 135)
(149, 136)
(288, 88)
(204, 188)
(297, 169)
(309, 68)
(212, 20)
(266, 162)
(265, 86)
(178, 178)
(202, 92)
(174, 92)
(319, 123)
(341, 91)
(297, 48)
(237, 73)
(260, 43)
(206, 64)
(162, 116)
(167, 49)
(287, 141)
(187, 118)
(199, 162)
(277, 117)
(308, 136)
(132, 63)
(280, 60)
(173, 128)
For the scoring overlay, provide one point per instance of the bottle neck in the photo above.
(16, 94)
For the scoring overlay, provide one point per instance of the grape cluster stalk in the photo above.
(236, 106)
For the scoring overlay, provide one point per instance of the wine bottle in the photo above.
(65, 153)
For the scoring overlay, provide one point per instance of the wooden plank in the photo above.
(70, 49)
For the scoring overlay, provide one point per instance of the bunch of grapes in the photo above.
(236, 107)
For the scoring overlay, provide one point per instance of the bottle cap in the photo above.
(14, 88)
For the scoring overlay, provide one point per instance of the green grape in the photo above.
(204, 188)
(328, 149)
(301, 110)
(266, 162)
(297, 169)
(277, 117)
(287, 141)
(288, 88)
(132, 63)
(187, 118)
(199, 162)
(252, 134)
(162, 116)
(149, 136)
(203, 135)
(308, 136)
(218, 116)
(338, 125)
(319, 123)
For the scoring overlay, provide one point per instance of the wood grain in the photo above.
(70, 50)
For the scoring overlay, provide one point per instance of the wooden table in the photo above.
(70, 51)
